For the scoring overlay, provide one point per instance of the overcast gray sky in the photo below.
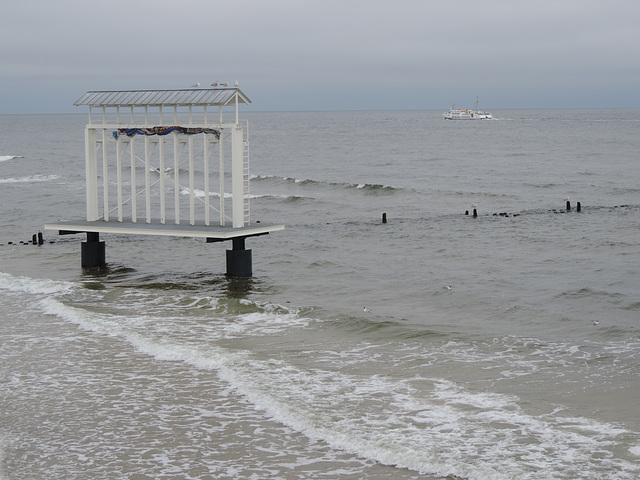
(326, 54)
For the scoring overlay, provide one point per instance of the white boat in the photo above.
(463, 114)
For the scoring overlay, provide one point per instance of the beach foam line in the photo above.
(436, 433)
(428, 425)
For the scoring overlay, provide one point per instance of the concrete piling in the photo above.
(239, 262)
(93, 251)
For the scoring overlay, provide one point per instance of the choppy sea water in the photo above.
(499, 347)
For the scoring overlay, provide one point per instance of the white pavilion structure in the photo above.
(167, 162)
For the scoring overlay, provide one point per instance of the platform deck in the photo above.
(168, 230)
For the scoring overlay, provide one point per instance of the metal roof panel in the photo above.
(140, 98)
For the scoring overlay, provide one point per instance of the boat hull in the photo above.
(455, 114)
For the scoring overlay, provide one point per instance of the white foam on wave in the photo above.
(4, 158)
(119, 326)
(30, 179)
(161, 322)
(34, 286)
(199, 193)
(268, 320)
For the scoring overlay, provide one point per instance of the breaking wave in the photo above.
(30, 179)
(4, 158)
(307, 182)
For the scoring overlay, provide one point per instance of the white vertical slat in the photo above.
(221, 147)
(105, 176)
(91, 167)
(192, 208)
(207, 216)
(134, 193)
(163, 214)
(119, 176)
(221, 181)
(163, 203)
(147, 183)
(176, 178)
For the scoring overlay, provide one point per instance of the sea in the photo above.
(436, 345)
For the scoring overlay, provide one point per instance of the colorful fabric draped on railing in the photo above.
(130, 132)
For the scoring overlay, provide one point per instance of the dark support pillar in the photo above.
(93, 251)
(239, 259)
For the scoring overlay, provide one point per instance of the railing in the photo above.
(168, 178)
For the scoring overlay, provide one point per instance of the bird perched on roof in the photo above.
(225, 84)
(215, 84)
(235, 84)
(195, 85)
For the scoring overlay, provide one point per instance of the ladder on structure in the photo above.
(246, 191)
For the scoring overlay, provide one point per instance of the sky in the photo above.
(299, 55)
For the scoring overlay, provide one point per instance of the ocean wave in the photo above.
(281, 197)
(198, 193)
(307, 182)
(30, 179)
(374, 187)
(19, 284)
(4, 158)
(167, 305)
(587, 292)
(633, 306)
